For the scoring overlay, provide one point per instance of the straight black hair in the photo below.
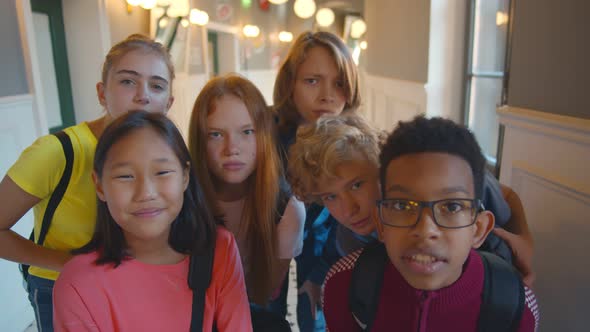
(194, 229)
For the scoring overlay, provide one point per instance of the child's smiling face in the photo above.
(143, 184)
(427, 256)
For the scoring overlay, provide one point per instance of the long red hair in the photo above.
(259, 215)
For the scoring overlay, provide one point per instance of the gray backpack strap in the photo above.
(503, 296)
(366, 281)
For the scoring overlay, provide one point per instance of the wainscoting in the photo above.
(546, 160)
(17, 131)
(387, 101)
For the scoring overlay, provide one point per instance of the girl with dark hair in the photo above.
(132, 275)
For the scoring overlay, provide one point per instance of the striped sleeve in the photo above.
(345, 263)
(531, 303)
(334, 301)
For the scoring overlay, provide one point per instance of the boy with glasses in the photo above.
(430, 221)
(335, 162)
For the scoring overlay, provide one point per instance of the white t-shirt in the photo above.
(289, 229)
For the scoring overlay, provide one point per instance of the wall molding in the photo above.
(567, 127)
(523, 171)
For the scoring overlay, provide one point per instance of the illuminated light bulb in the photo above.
(133, 2)
(363, 45)
(277, 2)
(325, 17)
(163, 3)
(251, 31)
(184, 22)
(158, 11)
(148, 4)
(358, 28)
(198, 17)
(163, 22)
(179, 8)
(285, 36)
(501, 18)
(304, 8)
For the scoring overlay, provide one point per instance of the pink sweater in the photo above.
(143, 297)
(404, 308)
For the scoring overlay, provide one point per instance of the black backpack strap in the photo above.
(62, 186)
(367, 277)
(503, 296)
(199, 278)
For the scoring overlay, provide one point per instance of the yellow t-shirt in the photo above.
(38, 171)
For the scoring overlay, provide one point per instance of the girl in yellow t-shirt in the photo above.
(137, 75)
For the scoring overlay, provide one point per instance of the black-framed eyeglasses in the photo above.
(447, 213)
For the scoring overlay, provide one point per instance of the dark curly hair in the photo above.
(434, 135)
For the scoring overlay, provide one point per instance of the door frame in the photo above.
(53, 9)
(97, 31)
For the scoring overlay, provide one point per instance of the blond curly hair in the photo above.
(322, 146)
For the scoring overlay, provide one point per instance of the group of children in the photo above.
(141, 203)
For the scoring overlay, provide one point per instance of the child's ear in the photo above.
(484, 224)
(100, 94)
(170, 102)
(186, 175)
(98, 186)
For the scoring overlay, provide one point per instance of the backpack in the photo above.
(56, 196)
(500, 310)
(199, 278)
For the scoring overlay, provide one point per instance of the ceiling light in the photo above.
(501, 18)
(358, 28)
(198, 17)
(363, 45)
(163, 22)
(148, 4)
(251, 31)
(304, 8)
(285, 36)
(178, 8)
(325, 17)
(277, 2)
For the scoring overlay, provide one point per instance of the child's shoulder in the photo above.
(344, 264)
(80, 267)
(223, 235)
(224, 241)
